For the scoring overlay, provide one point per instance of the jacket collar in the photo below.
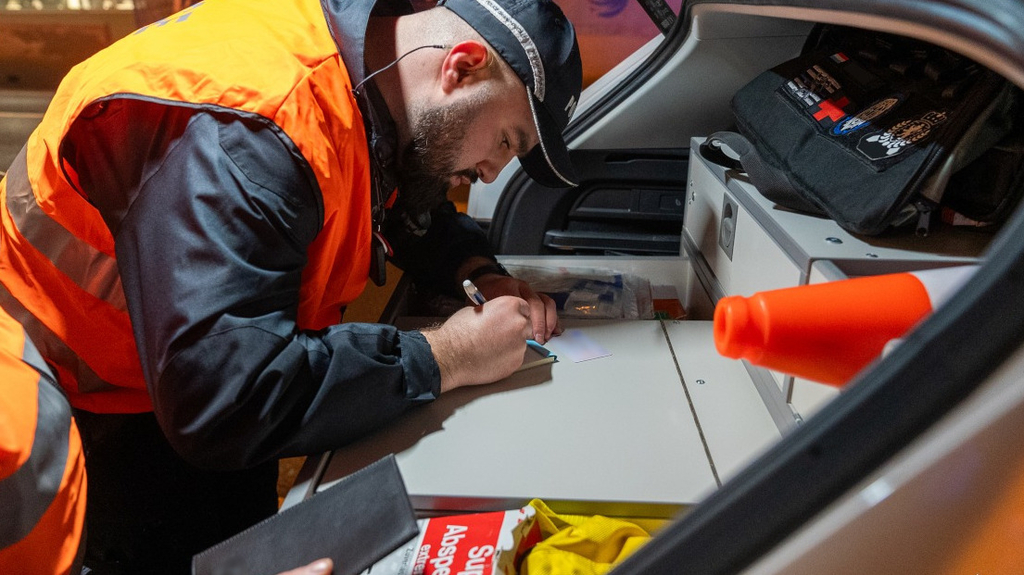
(347, 21)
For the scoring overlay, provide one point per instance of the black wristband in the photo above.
(494, 268)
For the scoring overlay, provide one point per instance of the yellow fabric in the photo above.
(580, 544)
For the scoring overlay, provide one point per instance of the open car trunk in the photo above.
(897, 472)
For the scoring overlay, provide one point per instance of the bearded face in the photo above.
(427, 165)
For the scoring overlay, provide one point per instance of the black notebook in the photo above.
(355, 522)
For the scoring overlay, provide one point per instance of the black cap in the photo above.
(537, 41)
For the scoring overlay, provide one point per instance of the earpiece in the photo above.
(359, 85)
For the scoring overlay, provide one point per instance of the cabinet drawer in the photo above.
(740, 254)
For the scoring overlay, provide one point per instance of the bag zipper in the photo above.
(925, 209)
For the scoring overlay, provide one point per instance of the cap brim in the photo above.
(548, 162)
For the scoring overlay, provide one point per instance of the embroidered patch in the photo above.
(864, 117)
(820, 93)
(813, 86)
(896, 139)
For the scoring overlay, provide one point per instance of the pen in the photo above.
(473, 293)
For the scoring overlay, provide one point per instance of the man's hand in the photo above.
(481, 344)
(543, 315)
(318, 567)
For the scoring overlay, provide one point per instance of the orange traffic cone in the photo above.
(827, 332)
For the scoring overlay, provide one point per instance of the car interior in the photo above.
(823, 499)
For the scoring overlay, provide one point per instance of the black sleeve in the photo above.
(212, 217)
(431, 249)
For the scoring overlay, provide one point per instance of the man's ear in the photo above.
(463, 65)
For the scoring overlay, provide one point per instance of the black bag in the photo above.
(877, 132)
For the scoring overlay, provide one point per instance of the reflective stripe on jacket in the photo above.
(58, 269)
(42, 470)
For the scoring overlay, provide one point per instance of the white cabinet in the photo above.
(773, 247)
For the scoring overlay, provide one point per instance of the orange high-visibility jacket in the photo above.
(58, 269)
(42, 470)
